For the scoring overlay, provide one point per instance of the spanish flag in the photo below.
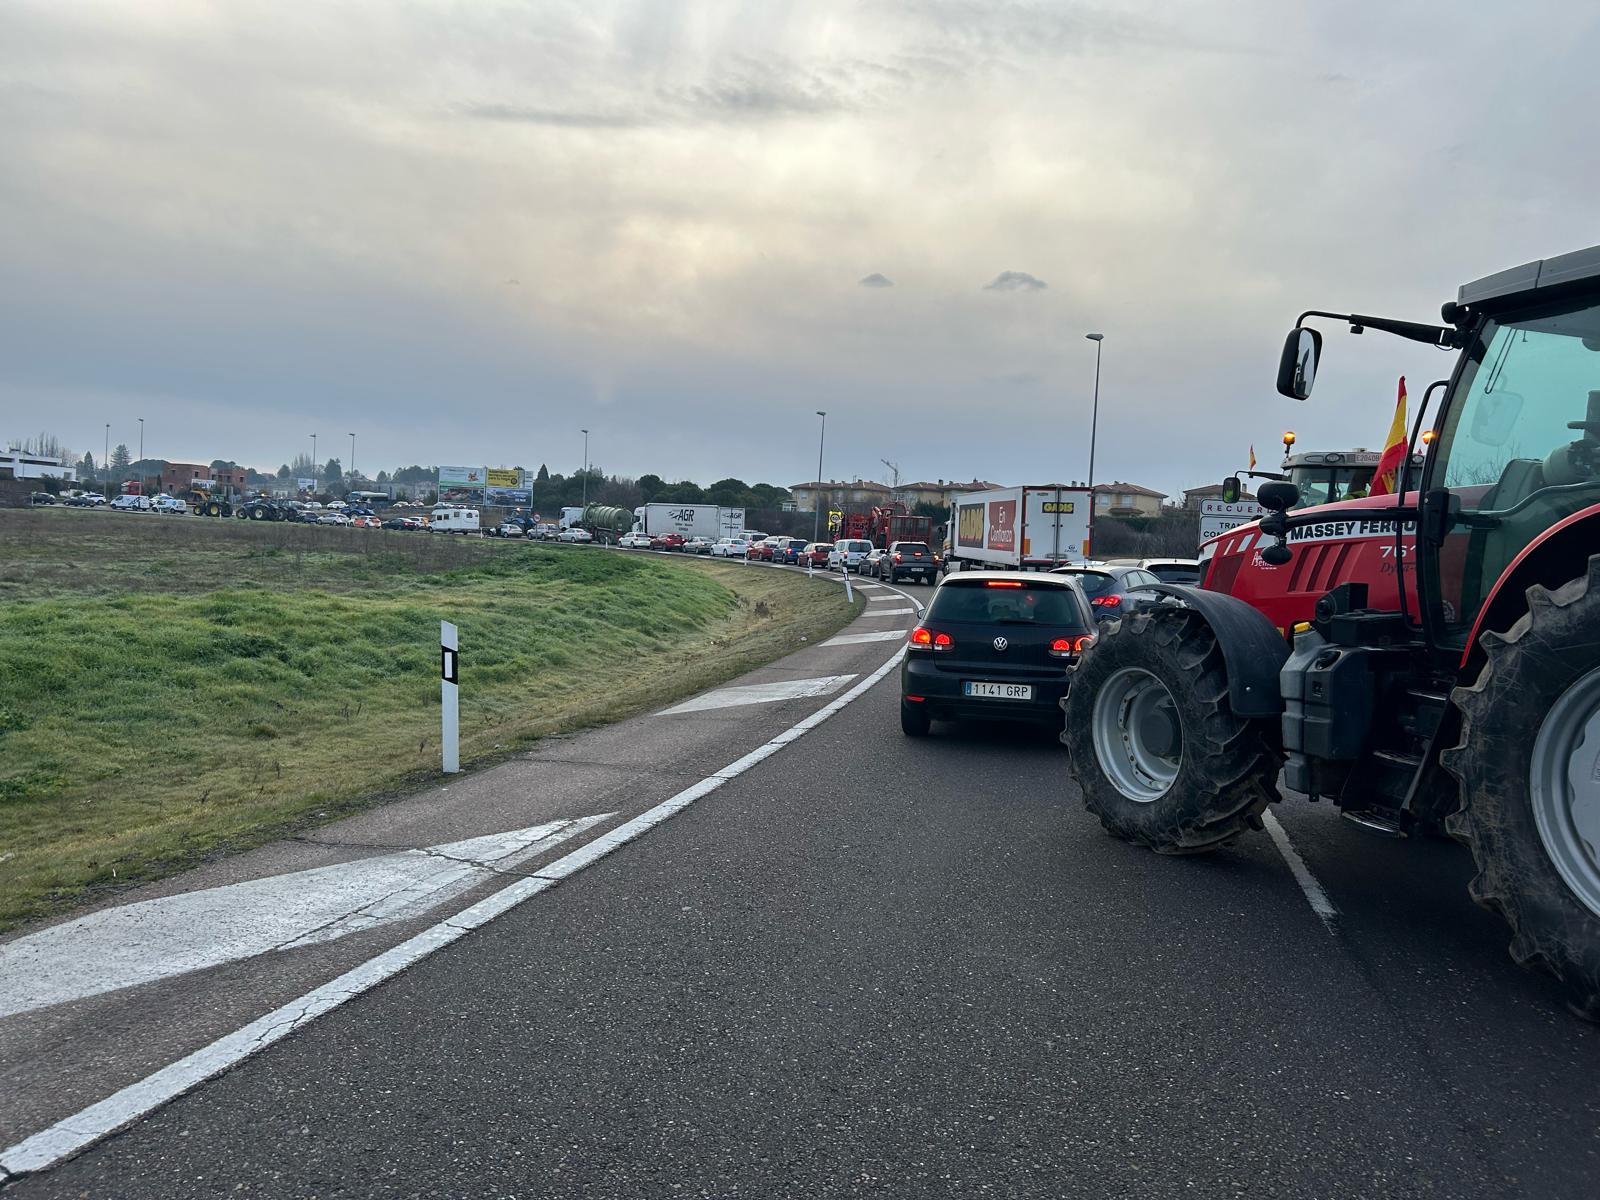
(1387, 476)
(1252, 458)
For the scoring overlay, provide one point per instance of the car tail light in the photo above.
(1066, 647)
(899, 558)
(923, 638)
(1106, 601)
(1006, 583)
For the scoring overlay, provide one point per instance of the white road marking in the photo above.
(858, 639)
(868, 586)
(761, 693)
(155, 939)
(887, 612)
(73, 1134)
(1315, 896)
(890, 596)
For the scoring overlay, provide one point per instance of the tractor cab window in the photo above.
(1324, 485)
(1520, 450)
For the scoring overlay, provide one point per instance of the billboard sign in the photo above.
(461, 485)
(1217, 516)
(504, 477)
(508, 496)
(306, 485)
(461, 477)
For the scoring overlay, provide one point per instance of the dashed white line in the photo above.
(859, 639)
(138, 943)
(760, 693)
(1315, 896)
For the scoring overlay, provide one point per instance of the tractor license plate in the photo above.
(998, 691)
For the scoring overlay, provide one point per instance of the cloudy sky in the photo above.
(464, 230)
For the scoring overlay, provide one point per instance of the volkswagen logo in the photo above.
(1000, 643)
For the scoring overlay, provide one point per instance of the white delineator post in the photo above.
(449, 699)
(849, 596)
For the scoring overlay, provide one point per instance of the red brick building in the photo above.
(180, 477)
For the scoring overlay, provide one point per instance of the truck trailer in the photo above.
(1036, 527)
(692, 520)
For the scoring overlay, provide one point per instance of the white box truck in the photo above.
(691, 520)
(1022, 528)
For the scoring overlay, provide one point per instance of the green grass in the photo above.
(174, 687)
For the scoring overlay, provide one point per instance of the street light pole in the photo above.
(141, 439)
(105, 460)
(585, 433)
(352, 457)
(1094, 428)
(816, 495)
(316, 470)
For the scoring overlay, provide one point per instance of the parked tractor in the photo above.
(1426, 659)
(204, 501)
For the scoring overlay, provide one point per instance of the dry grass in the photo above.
(172, 687)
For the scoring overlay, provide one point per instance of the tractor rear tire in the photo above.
(1520, 763)
(1156, 749)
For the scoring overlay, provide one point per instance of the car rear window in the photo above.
(1030, 604)
(1176, 573)
(913, 548)
(1093, 583)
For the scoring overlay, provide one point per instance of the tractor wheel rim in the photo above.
(1565, 787)
(1128, 706)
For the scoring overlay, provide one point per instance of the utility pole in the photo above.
(1094, 429)
(585, 433)
(816, 495)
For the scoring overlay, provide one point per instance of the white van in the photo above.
(446, 519)
(847, 554)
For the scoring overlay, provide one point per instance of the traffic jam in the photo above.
(1409, 635)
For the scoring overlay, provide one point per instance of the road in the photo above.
(861, 965)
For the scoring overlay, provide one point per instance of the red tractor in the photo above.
(885, 525)
(1427, 659)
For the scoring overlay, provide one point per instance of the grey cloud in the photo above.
(877, 280)
(542, 116)
(1015, 281)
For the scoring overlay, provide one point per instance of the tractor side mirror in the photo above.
(1230, 490)
(1278, 496)
(1297, 368)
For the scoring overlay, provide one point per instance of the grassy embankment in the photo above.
(171, 686)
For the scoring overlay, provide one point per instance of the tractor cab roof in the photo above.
(1536, 280)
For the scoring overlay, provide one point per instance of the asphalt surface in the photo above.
(874, 966)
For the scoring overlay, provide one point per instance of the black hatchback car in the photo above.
(909, 560)
(996, 646)
(1112, 590)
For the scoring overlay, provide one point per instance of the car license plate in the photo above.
(998, 691)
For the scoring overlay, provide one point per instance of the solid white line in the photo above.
(73, 1134)
(1315, 896)
(891, 596)
(887, 612)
